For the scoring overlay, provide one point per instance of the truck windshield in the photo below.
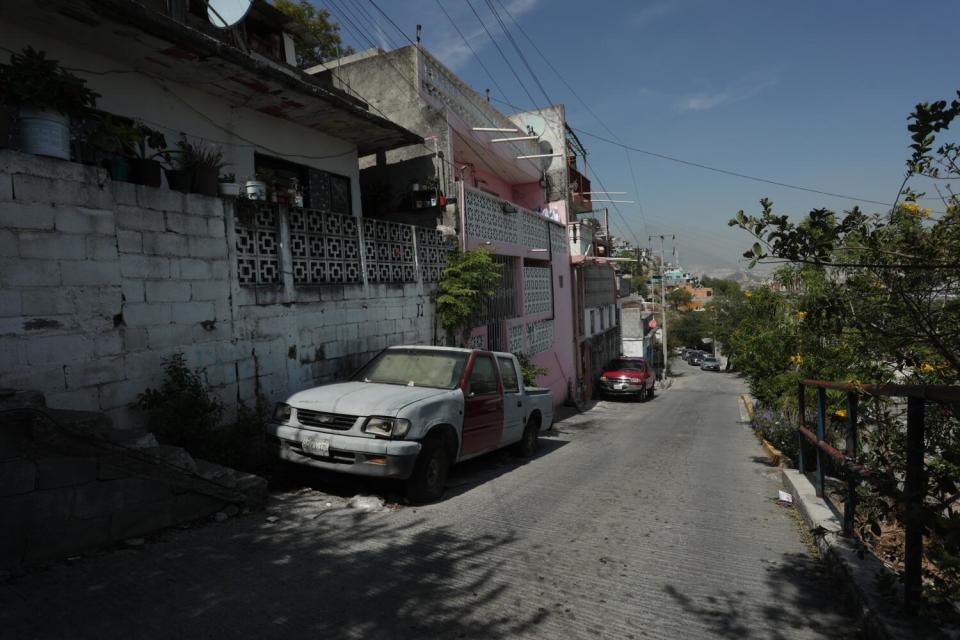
(415, 368)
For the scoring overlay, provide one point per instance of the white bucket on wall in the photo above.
(44, 133)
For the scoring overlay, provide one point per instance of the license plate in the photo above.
(316, 446)
(619, 387)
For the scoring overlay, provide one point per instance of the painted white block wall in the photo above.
(100, 281)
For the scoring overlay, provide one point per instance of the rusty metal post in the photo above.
(914, 489)
(801, 411)
(850, 505)
(821, 431)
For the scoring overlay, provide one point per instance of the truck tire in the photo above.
(530, 441)
(429, 477)
(650, 394)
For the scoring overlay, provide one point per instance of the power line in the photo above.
(502, 54)
(470, 47)
(523, 58)
(726, 171)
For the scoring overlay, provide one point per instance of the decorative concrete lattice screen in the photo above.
(432, 250)
(599, 286)
(388, 248)
(486, 220)
(477, 342)
(558, 240)
(539, 337)
(324, 247)
(258, 245)
(516, 338)
(537, 293)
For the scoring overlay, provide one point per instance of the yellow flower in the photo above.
(926, 367)
(748, 293)
(796, 359)
(801, 314)
(840, 413)
(916, 209)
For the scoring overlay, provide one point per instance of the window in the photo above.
(415, 368)
(483, 380)
(508, 374)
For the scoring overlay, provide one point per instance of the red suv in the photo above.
(628, 377)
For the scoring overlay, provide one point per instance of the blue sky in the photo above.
(809, 93)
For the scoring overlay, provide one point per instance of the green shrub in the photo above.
(183, 413)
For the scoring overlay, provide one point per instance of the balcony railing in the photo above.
(579, 190)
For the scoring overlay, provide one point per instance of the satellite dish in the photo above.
(535, 125)
(226, 13)
(546, 149)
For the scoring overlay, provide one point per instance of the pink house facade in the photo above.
(510, 196)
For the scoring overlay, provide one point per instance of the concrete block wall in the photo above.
(100, 281)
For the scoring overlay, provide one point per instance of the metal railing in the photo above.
(914, 477)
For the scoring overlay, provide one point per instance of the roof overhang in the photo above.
(167, 49)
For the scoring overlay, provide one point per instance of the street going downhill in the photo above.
(634, 520)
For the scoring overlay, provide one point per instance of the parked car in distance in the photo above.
(410, 414)
(696, 358)
(633, 377)
(710, 363)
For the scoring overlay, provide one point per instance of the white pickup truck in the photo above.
(410, 414)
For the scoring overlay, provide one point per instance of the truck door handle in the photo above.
(519, 403)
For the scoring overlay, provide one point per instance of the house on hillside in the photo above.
(507, 182)
(101, 279)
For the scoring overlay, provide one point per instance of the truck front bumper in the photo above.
(347, 454)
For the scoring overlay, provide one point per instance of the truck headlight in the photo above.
(281, 413)
(604, 378)
(386, 427)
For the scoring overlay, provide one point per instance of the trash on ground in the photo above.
(271, 518)
(367, 504)
(784, 497)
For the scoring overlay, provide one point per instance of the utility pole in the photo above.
(663, 304)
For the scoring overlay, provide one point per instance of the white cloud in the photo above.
(652, 13)
(446, 44)
(737, 91)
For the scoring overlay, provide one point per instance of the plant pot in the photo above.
(229, 189)
(119, 169)
(6, 127)
(256, 189)
(206, 180)
(145, 172)
(179, 179)
(44, 133)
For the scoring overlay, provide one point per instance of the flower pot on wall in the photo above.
(44, 133)
(119, 169)
(179, 179)
(206, 180)
(229, 189)
(145, 172)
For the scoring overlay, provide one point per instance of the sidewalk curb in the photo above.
(858, 572)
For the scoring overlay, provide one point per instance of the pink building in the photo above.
(514, 179)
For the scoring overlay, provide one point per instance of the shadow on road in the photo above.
(803, 596)
(348, 576)
(463, 477)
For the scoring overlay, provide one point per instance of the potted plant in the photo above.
(208, 161)
(180, 174)
(46, 96)
(229, 186)
(112, 141)
(151, 147)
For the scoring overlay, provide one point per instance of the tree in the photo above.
(689, 330)
(469, 280)
(318, 23)
(679, 297)
(876, 299)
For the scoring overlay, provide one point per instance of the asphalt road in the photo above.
(637, 520)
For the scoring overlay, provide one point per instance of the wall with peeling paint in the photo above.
(100, 281)
(184, 109)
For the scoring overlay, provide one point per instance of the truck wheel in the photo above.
(650, 393)
(429, 477)
(530, 441)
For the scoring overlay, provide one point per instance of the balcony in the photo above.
(579, 189)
